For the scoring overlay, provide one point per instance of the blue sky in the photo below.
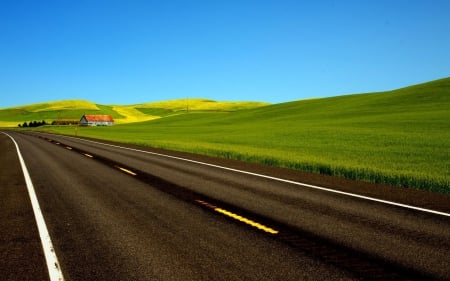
(129, 51)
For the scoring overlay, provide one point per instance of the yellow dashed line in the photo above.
(237, 217)
(126, 171)
(88, 155)
(246, 221)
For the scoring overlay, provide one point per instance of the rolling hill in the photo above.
(399, 137)
(74, 109)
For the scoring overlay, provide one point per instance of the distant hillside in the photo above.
(74, 109)
(199, 105)
(50, 111)
(155, 110)
(60, 105)
(399, 137)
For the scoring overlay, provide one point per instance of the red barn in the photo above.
(96, 120)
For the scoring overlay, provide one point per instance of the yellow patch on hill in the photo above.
(201, 105)
(9, 124)
(131, 115)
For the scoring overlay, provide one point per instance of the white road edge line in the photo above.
(276, 179)
(54, 269)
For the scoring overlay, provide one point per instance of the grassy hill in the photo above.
(399, 137)
(74, 109)
(155, 110)
(50, 111)
(197, 105)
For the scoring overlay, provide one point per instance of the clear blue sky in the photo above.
(126, 52)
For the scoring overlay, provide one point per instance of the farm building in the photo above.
(96, 120)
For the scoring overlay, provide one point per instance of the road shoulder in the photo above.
(21, 256)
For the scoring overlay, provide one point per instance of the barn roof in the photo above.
(98, 118)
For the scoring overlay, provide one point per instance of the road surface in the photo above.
(116, 213)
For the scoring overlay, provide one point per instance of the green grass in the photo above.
(400, 137)
(162, 112)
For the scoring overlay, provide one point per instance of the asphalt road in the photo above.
(121, 214)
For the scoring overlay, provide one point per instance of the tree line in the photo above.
(32, 124)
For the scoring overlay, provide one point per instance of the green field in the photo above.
(74, 109)
(399, 137)
(50, 111)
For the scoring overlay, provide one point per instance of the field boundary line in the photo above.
(387, 202)
(54, 269)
